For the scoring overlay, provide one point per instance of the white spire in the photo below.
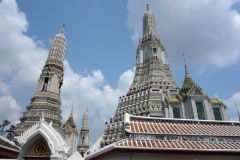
(85, 123)
(84, 134)
(57, 50)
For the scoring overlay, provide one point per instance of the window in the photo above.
(176, 112)
(200, 110)
(217, 114)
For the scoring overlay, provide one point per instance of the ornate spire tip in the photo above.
(147, 9)
(72, 108)
(186, 70)
(62, 30)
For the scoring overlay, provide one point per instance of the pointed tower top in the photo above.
(62, 30)
(149, 24)
(85, 123)
(87, 110)
(72, 108)
(186, 70)
(188, 82)
(147, 8)
(70, 119)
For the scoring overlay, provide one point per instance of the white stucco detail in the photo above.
(55, 142)
(194, 108)
(206, 109)
(183, 111)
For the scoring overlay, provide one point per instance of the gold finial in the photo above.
(238, 113)
(147, 9)
(62, 30)
(186, 70)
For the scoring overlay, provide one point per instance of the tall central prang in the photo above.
(153, 80)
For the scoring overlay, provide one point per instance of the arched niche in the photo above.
(37, 147)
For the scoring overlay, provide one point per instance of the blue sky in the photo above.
(102, 39)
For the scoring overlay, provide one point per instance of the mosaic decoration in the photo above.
(200, 110)
(41, 148)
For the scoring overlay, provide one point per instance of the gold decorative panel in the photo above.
(39, 148)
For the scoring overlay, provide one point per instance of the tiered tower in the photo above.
(153, 79)
(154, 92)
(83, 145)
(47, 97)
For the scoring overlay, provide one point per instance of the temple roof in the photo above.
(7, 143)
(183, 127)
(164, 134)
(179, 145)
(70, 121)
(188, 83)
(215, 100)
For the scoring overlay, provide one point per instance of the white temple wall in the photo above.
(207, 110)
(194, 108)
(211, 111)
(183, 111)
(166, 112)
(170, 111)
(224, 113)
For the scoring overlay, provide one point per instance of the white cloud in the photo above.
(22, 58)
(92, 91)
(216, 95)
(231, 104)
(207, 32)
(9, 109)
(18, 52)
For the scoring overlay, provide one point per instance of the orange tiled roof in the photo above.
(184, 128)
(182, 145)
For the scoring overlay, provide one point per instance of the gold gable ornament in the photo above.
(41, 148)
(38, 148)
